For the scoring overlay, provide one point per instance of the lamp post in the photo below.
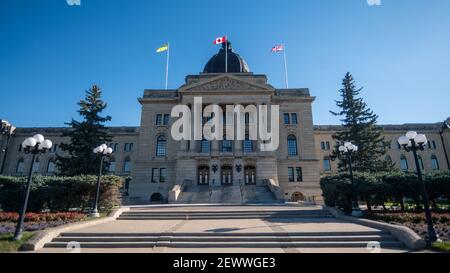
(415, 142)
(348, 149)
(8, 130)
(102, 151)
(34, 145)
(445, 126)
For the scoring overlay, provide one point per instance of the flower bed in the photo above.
(38, 221)
(415, 221)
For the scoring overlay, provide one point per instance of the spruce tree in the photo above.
(360, 127)
(84, 135)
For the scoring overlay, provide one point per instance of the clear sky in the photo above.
(51, 52)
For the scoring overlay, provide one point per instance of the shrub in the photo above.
(43, 217)
(377, 189)
(59, 193)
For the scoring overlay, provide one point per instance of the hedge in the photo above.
(377, 189)
(54, 193)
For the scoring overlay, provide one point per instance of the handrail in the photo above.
(242, 190)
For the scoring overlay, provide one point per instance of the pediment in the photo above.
(226, 83)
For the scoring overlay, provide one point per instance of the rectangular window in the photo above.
(128, 147)
(114, 146)
(322, 145)
(326, 164)
(434, 145)
(205, 147)
(299, 173)
(404, 164)
(227, 146)
(55, 148)
(248, 146)
(294, 118)
(154, 175)
(291, 174)
(286, 118)
(327, 145)
(127, 166)
(112, 167)
(20, 148)
(166, 119)
(434, 163)
(429, 144)
(162, 175)
(19, 168)
(159, 120)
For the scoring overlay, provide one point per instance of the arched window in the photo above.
(205, 146)
(403, 163)
(434, 163)
(421, 162)
(292, 145)
(127, 165)
(161, 146)
(19, 168)
(327, 164)
(248, 144)
(51, 166)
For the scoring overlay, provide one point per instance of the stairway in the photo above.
(227, 240)
(212, 227)
(227, 195)
(194, 195)
(259, 195)
(221, 214)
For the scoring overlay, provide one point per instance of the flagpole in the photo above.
(226, 53)
(167, 65)
(285, 67)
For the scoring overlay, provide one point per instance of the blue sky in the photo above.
(51, 52)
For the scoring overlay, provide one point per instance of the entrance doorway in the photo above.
(297, 196)
(227, 175)
(250, 175)
(203, 175)
(156, 197)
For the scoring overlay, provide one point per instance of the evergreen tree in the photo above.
(85, 136)
(360, 128)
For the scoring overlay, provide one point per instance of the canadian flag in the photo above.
(220, 40)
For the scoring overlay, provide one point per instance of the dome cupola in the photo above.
(236, 64)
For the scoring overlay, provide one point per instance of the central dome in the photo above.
(236, 64)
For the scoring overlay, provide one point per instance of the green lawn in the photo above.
(441, 246)
(7, 244)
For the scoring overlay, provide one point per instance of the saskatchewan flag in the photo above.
(163, 48)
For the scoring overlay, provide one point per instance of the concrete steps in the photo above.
(259, 195)
(227, 240)
(220, 214)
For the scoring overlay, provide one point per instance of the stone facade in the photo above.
(186, 161)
